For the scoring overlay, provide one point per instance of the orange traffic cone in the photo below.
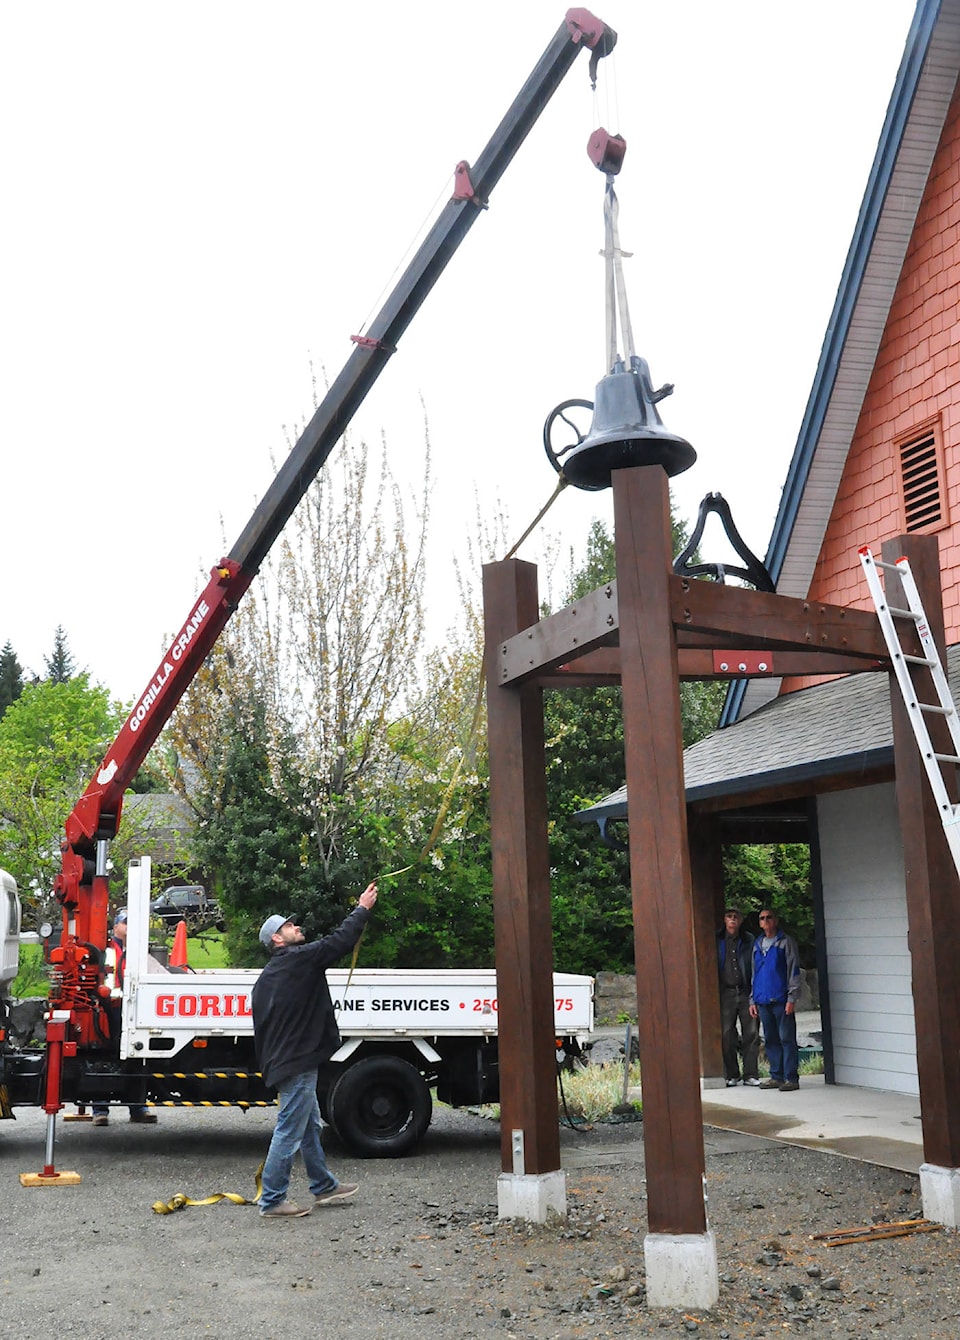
(178, 954)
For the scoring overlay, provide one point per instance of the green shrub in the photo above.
(32, 979)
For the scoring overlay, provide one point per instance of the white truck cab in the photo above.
(9, 931)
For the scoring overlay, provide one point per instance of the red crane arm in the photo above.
(82, 885)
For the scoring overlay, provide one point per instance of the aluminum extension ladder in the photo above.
(917, 711)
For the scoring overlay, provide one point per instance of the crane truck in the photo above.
(187, 1037)
(404, 1045)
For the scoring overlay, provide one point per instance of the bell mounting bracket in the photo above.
(753, 571)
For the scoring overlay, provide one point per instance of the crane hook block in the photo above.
(606, 151)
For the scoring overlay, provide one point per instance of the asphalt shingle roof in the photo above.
(841, 727)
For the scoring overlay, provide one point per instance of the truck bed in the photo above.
(165, 1011)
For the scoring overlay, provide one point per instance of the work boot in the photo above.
(101, 1119)
(769, 1084)
(144, 1118)
(791, 1086)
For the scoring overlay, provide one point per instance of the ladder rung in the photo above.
(945, 706)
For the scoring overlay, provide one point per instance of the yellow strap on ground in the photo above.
(180, 1201)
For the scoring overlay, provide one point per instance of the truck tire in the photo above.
(380, 1107)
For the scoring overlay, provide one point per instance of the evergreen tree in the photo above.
(775, 873)
(255, 837)
(593, 918)
(61, 665)
(11, 677)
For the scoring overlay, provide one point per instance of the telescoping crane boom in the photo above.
(82, 886)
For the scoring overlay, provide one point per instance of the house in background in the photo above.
(878, 456)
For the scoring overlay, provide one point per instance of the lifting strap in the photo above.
(180, 1201)
(914, 616)
(616, 289)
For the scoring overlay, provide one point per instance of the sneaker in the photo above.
(791, 1086)
(769, 1084)
(285, 1210)
(342, 1192)
(144, 1118)
(732, 1083)
(753, 1081)
(101, 1119)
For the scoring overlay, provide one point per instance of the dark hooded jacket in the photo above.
(294, 1025)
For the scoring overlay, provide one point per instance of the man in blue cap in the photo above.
(295, 1031)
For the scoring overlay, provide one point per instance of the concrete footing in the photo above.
(940, 1190)
(681, 1269)
(532, 1196)
(712, 1082)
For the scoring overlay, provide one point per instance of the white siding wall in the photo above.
(868, 962)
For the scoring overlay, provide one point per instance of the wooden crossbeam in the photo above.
(579, 644)
(776, 621)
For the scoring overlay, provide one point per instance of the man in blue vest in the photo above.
(773, 999)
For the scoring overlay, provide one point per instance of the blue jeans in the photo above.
(780, 1040)
(298, 1127)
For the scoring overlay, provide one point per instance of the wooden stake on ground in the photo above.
(900, 1228)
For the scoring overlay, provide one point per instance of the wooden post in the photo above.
(932, 885)
(659, 860)
(521, 886)
(706, 871)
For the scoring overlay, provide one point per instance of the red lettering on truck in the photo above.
(203, 1007)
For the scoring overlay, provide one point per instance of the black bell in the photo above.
(626, 430)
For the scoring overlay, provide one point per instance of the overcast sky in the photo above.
(205, 199)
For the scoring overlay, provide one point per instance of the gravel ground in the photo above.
(420, 1252)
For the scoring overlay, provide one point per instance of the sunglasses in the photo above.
(766, 918)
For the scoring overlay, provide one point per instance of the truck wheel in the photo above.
(380, 1107)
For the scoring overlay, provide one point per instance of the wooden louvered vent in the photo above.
(920, 476)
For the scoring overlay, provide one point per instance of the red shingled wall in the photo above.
(916, 379)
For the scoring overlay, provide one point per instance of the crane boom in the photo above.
(82, 885)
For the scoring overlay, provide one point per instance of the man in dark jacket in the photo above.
(735, 961)
(295, 1031)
